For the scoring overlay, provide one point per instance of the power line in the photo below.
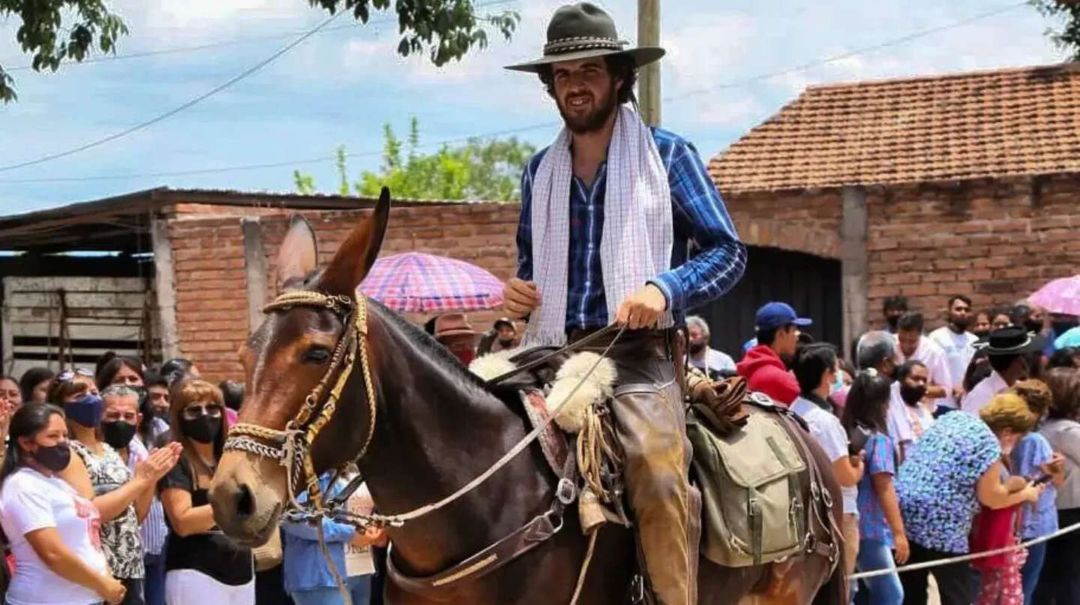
(679, 97)
(848, 54)
(281, 164)
(234, 42)
(142, 125)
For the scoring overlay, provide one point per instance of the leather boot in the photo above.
(650, 423)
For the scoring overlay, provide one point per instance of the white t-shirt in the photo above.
(715, 361)
(958, 353)
(984, 392)
(905, 423)
(937, 367)
(30, 501)
(832, 438)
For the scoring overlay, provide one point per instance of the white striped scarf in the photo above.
(638, 232)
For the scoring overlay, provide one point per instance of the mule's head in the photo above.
(284, 359)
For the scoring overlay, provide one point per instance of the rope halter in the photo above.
(291, 447)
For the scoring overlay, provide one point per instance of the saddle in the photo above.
(752, 461)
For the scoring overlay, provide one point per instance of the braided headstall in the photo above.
(291, 447)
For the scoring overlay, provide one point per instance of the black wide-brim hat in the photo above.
(1012, 340)
(582, 31)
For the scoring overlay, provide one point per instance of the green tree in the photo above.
(476, 170)
(1067, 38)
(54, 31)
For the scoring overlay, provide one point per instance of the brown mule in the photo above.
(436, 429)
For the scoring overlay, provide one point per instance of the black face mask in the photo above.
(506, 343)
(981, 333)
(203, 429)
(1033, 326)
(53, 457)
(118, 434)
(961, 323)
(912, 395)
(893, 321)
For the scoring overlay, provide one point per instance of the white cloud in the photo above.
(708, 50)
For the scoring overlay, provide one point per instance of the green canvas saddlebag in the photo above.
(752, 505)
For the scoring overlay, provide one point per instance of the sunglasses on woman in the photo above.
(193, 412)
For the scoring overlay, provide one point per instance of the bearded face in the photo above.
(586, 94)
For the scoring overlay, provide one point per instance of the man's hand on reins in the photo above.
(520, 297)
(642, 309)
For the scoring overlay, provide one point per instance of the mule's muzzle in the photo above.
(246, 506)
(235, 512)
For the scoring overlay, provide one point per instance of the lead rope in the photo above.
(584, 567)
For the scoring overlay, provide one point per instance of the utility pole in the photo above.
(649, 76)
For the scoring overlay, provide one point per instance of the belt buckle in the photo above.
(566, 492)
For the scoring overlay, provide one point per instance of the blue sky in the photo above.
(340, 86)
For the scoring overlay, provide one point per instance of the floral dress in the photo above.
(120, 537)
(936, 484)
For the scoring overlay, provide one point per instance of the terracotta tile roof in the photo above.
(943, 128)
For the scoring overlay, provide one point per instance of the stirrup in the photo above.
(637, 590)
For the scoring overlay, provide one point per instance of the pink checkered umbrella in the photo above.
(415, 282)
(1059, 296)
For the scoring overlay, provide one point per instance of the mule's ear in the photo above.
(358, 252)
(299, 253)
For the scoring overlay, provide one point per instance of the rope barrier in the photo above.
(964, 558)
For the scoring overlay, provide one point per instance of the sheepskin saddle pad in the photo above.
(582, 380)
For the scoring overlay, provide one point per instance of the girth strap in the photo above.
(534, 533)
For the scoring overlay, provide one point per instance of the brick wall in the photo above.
(800, 221)
(211, 305)
(211, 286)
(995, 241)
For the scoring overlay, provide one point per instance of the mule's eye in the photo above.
(316, 354)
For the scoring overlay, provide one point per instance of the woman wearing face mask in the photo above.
(150, 435)
(99, 474)
(119, 425)
(955, 467)
(908, 419)
(53, 531)
(202, 565)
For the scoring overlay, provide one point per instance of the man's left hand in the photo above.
(642, 309)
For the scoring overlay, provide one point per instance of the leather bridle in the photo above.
(291, 447)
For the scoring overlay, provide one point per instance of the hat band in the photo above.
(992, 350)
(564, 45)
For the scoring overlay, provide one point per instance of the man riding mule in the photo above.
(608, 213)
(476, 511)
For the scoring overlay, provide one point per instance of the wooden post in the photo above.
(649, 76)
(855, 281)
(165, 282)
(254, 270)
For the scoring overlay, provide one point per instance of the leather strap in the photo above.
(534, 533)
(818, 494)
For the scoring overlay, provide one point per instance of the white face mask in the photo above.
(838, 384)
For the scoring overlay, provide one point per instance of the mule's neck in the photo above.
(437, 430)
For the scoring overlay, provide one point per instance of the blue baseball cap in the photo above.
(777, 315)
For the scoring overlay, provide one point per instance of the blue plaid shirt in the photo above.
(700, 221)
